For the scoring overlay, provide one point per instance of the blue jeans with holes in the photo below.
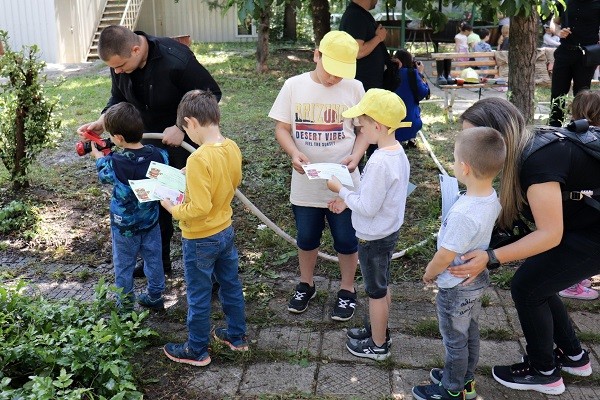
(375, 257)
(458, 309)
(201, 258)
(125, 251)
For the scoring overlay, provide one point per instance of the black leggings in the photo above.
(535, 288)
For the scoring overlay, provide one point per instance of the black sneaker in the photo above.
(345, 305)
(368, 349)
(365, 333)
(435, 391)
(581, 367)
(523, 376)
(299, 301)
(436, 377)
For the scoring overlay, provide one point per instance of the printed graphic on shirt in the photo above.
(319, 125)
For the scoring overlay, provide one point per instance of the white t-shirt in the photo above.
(460, 43)
(551, 40)
(468, 226)
(320, 132)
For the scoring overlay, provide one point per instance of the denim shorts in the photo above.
(375, 257)
(310, 222)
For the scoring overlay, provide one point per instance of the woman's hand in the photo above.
(475, 262)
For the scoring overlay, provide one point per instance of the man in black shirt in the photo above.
(580, 23)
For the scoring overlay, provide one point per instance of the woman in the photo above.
(411, 89)
(563, 250)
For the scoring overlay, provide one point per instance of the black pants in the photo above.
(534, 289)
(568, 66)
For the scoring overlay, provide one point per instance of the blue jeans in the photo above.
(375, 257)
(125, 251)
(310, 222)
(201, 258)
(458, 309)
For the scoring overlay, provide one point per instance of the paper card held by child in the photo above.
(165, 183)
(327, 170)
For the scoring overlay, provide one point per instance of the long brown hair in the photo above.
(503, 116)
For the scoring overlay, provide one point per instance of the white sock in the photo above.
(577, 357)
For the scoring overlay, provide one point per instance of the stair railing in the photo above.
(131, 13)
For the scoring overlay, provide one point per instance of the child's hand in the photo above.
(428, 278)
(351, 162)
(334, 184)
(95, 152)
(183, 170)
(337, 205)
(298, 160)
(167, 205)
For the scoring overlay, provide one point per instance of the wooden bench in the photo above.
(486, 67)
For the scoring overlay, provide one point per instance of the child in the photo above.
(550, 39)
(461, 44)
(479, 155)
(134, 225)
(503, 40)
(213, 172)
(377, 213)
(310, 129)
(472, 40)
(483, 45)
(585, 105)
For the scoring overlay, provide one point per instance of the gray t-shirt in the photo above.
(467, 227)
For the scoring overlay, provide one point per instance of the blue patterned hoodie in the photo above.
(126, 213)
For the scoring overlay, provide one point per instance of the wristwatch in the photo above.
(493, 262)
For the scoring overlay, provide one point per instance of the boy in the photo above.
(482, 45)
(310, 129)
(377, 213)
(479, 155)
(213, 172)
(134, 225)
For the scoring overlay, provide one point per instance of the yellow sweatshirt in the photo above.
(212, 174)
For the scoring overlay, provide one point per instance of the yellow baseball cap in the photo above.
(383, 106)
(339, 51)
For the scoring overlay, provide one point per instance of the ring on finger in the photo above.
(468, 275)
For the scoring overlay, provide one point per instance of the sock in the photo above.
(547, 373)
(577, 357)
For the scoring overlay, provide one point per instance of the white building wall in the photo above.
(31, 22)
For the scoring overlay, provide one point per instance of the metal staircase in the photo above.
(116, 12)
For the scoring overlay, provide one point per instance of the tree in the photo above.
(321, 18)
(27, 120)
(289, 20)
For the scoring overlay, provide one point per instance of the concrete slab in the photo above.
(493, 318)
(289, 339)
(218, 380)
(405, 315)
(586, 321)
(417, 352)
(278, 377)
(334, 346)
(498, 353)
(355, 381)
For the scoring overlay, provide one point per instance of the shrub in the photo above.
(65, 349)
(18, 217)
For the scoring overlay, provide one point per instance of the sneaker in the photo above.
(367, 349)
(235, 344)
(436, 377)
(345, 305)
(523, 376)
(435, 391)
(181, 353)
(145, 300)
(365, 333)
(579, 292)
(441, 80)
(586, 283)
(299, 301)
(581, 367)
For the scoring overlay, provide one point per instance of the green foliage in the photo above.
(18, 217)
(27, 119)
(66, 350)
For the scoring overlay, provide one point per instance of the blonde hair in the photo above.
(504, 117)
(505, 29)
(586, 104)
(483, 149)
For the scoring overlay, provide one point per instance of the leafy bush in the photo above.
(18, 217)
(65, 349)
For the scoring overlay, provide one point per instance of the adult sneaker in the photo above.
(436, 377)
(145, 300)
(581, 367)
(299, 301)
(343, 309)
(580, 292)
(365, 333)
(181, 353)
(436, 392)
(235, 344)
(523, 376)
(368, 349)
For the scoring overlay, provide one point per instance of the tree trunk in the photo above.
(289, 20)
(521, 62)
(321, 18)
(262, 45)
(18, 174)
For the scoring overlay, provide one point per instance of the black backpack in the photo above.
(586, 137)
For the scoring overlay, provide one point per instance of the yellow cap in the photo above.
(383, 106)
(469, 75)
(339, 51)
